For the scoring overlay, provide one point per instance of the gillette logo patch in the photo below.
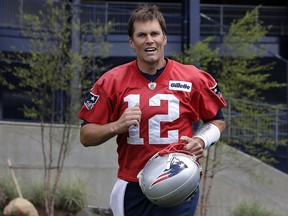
(180, 86)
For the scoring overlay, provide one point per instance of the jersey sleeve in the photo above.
(95, 108)
(209, 96)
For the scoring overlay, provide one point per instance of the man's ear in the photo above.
(131, 43)
(165, 39)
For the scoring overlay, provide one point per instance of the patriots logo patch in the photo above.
(175, 167)
(91, 100)
(216, 90)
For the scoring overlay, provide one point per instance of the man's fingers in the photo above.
(192, 146)
(189, 146)
(185, 139)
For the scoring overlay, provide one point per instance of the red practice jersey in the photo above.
(182, 94)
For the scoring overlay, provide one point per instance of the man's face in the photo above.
(148, 41)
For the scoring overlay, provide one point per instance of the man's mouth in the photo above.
(152, 49)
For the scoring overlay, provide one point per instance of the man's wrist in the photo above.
(209, 133)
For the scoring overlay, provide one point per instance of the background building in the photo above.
(187, 23)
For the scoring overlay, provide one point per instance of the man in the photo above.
(148, 104)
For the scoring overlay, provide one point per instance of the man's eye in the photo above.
(154, 33)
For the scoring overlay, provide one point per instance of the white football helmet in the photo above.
(171, 176)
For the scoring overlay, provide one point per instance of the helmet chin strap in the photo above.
(175, 147)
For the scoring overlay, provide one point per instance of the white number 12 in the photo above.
(154, 129)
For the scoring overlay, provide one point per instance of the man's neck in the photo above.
(153, 68)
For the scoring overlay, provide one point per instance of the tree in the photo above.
(54, 75)
(242, 78)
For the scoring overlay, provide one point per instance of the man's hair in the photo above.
(146, 13)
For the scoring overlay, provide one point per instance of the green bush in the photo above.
(8, 191)
(253, 208)
(71, 195)
(34, 192)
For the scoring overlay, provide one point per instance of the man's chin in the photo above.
(152, 59)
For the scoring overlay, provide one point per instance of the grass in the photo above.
(7, 191)
(253, 208)
(71, 195)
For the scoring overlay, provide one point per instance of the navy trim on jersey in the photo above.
(219, 116)
(153, 77)
(84, 123)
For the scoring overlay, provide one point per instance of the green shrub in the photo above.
(34, 192)
(71, 196)
(253, 208)
(8, 191)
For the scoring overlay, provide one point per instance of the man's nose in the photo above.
(149, 39)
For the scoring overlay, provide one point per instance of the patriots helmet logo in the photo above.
(175, 166)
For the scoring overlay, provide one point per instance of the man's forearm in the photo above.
(95, 134)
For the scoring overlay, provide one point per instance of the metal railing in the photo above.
(251, 121)
(118, 12)
(276, 17)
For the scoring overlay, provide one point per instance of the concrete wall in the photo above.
(238, 177)
(97, 166)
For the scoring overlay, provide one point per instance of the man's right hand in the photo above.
(131, 116)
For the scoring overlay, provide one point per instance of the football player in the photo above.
(148, 104)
